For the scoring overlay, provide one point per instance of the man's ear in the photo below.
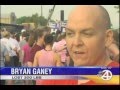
(109, 38)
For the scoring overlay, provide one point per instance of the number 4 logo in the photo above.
(106, 75)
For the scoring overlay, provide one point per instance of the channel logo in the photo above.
(105, 74)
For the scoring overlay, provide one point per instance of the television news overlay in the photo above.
(101, 75)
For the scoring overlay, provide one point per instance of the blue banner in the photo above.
(57, 70)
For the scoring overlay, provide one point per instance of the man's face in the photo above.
(85, 41)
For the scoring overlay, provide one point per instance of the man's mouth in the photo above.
(79, 52)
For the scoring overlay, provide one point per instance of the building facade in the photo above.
(8, 18)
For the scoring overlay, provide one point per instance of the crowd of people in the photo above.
(88, 41)
(31, 48)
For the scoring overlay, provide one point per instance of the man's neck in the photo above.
(104, 61)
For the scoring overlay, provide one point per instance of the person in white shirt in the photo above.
(15, 53)
(6, 60)
(10, 47)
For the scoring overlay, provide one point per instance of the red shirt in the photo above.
(33, 51)
(26, 48)
(71, 82)
(112, 64)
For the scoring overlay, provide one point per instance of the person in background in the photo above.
(39, 42)
(17, 36)
(15, 53)
(10, 47)
(25, 53)
(23, 40)
(60, 48)
(22, 31)
(52, 59)
(4, 59)
(38, 38)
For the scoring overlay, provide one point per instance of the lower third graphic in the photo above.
(105, 74)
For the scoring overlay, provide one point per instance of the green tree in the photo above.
(35, 19)
(42, 21)
(27, 20)
(21, 20)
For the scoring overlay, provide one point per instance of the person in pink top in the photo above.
(38, 37)
(25, 56)
(26, 53)
(46, 58)
(60, 48)
(52, 59)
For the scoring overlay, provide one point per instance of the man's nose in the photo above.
(78, 41)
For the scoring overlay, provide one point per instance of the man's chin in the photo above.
(78, 63)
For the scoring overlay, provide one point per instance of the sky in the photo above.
(28, 10)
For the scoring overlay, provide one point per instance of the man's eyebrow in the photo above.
(83, 30)
(87, 29)
(69, 29)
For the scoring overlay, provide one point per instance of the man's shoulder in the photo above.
(114, 64)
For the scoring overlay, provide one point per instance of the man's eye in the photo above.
(69, 34)
(88, 34)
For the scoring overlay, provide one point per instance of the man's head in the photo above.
(12, 34)
(88, 34)
(6, 34)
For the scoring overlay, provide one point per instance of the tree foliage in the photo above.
(42, 21)
(35, 18)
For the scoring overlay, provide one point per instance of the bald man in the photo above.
(87, 36)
